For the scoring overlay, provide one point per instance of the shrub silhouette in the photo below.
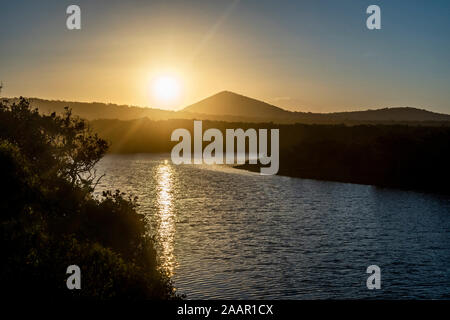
(50, 219)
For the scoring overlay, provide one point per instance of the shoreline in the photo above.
(256, 169)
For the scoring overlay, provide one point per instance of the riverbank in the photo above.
(293, 173)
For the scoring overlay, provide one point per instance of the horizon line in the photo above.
(376, 108)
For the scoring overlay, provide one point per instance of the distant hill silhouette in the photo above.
(391, 114)
(97, 110)
(232, 107)
(232, 104)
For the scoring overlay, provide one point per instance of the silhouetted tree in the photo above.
(50, 220)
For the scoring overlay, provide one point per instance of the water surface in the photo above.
(225, 233)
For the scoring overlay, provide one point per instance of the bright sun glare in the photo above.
(166, 89)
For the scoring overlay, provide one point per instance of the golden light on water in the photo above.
(165, 224)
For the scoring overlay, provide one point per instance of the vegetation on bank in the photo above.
(50, 219)
(399, 155)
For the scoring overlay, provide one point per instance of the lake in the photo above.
(226, 233)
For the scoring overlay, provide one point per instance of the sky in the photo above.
(313, 55)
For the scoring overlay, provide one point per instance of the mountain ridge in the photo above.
(383, 114)
(233, 107)
(234, 101)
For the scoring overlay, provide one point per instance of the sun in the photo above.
(166, 89)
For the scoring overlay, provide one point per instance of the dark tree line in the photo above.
(403, 156)
(398, 156)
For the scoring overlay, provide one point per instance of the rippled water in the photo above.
(231, 234)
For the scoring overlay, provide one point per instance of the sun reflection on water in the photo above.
(165, 224)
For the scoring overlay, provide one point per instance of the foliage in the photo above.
(402, 156)
(50, 220)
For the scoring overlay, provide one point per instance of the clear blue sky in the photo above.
(313, 55)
